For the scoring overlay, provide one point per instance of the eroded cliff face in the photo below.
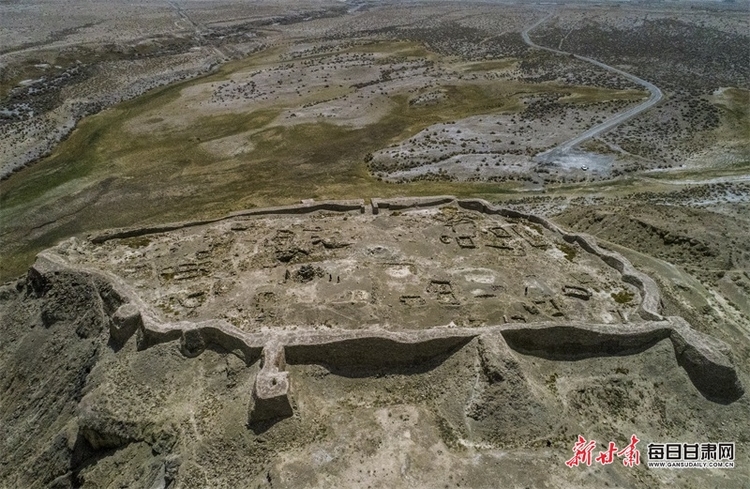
(79, 410)
(98, 389)
(55, 333)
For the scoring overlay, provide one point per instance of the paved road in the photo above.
(656, 95)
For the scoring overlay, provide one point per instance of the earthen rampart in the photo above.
(704, 358)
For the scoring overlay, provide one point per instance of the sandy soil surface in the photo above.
(410, 271)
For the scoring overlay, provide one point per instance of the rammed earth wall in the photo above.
(704, 358)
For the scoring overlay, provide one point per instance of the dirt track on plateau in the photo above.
(656, 96)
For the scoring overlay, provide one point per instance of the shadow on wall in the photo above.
(365, 357)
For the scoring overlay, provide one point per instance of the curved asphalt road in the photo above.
(656, 95)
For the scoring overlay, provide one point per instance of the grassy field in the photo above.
(105, 176)
(735, 103)
(498, 64)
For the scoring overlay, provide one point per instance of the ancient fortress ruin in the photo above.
(394, 283)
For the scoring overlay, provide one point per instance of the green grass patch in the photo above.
(588, 95)
(66, 165)
(409, 49)
(90, 148)
(623, 297)
(569, 251)
(208, 128)
(735, 169)
(736, 101)
(497, 64)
